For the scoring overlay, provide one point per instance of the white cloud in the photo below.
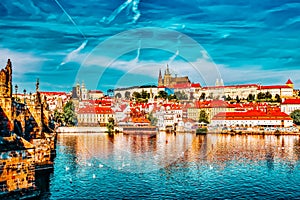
(252, 74)
(74, 55)
(22, 62)
(203, 70)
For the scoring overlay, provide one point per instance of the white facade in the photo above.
(289, 105)
(252, 123)
(93, 95)
(168, 117)
(283, 91)
(236, 90)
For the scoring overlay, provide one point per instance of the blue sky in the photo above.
(63, 41)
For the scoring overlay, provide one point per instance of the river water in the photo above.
(95, 166)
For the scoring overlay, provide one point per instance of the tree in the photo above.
(250, 97)
(277, 97)
(261, 95)
(127, 95)
(152, 119)
(295, 115)
(110, 126)
(202, 97)
(136, 95)
(268, 95)
(228, 98)
(118, 95)
(211, 95)
(58, 117)
(145, 94)
(237, 99)
(203, 117)
(69, 114)
(181, 95)
(162, 94)
(172, 97)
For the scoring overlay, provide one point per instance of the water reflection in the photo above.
(165, 149)
(95, 165)
(132, 153)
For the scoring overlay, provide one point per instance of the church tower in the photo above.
(84, 92)
(290, 84)
(167, 77)
(160, 80)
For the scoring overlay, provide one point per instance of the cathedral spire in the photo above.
(160, 80)
(167, 72)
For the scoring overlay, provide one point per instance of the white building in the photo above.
(95, 94)
(252, 118)
(289, 105)
(168, 116)
(55, 100)
(281, 90)
(243, 90)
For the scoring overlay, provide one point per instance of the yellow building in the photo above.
(211, 108)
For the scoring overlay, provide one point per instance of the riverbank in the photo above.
(65, 129)
(253, 133)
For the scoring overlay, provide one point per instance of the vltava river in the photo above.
(94, 166)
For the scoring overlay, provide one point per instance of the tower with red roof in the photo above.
(290, 83)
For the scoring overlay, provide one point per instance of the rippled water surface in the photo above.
(94, 166)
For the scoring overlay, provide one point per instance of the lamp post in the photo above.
(24, 96)
(16, 89)
(30, 96)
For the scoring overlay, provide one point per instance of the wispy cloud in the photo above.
(133, 4)
(74, 55)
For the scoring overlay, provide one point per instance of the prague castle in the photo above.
(169, 81)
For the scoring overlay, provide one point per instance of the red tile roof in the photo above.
(182, 85)
(104, 102)
(95, 110)
(289, 82)
(96, 91)
(195, 85)
(53, 93)
(291, 101)
(273, 87)
(186, 85)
